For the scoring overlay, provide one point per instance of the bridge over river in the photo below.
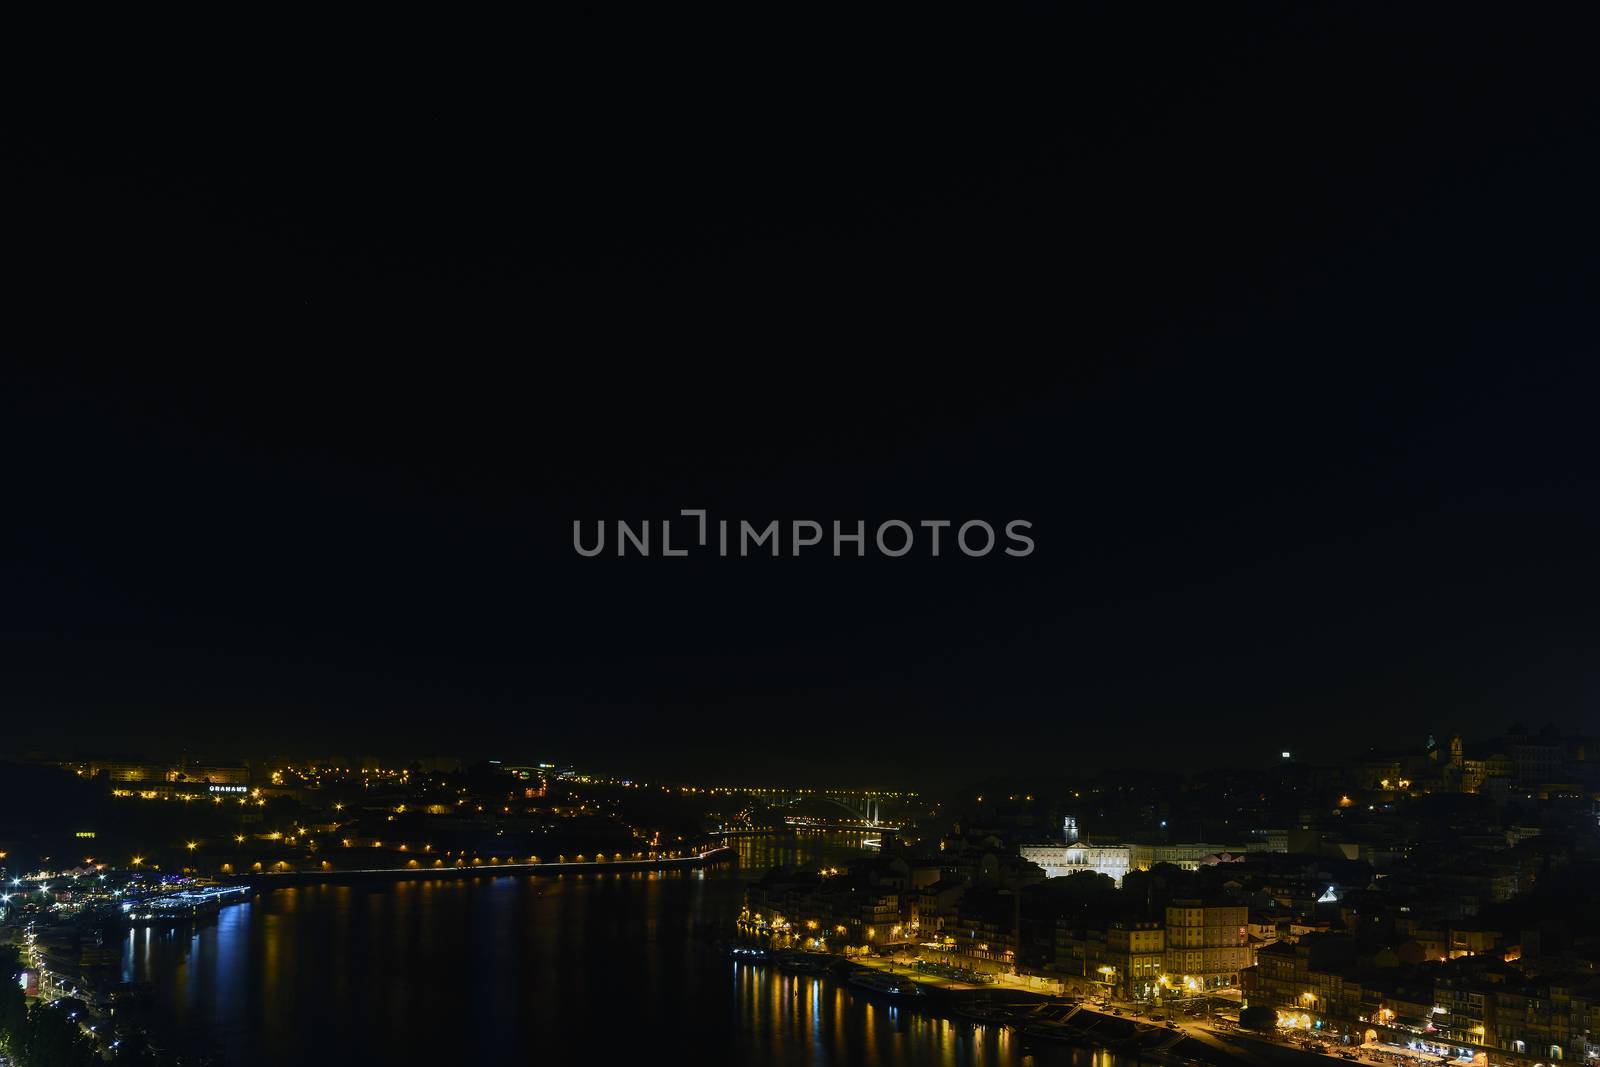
(809, 809)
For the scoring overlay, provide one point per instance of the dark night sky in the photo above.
(1278, 329)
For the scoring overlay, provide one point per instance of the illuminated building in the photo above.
(1189, 856)
(1209, 942)
(1059, 861)
(1137, 953)
(220, 774)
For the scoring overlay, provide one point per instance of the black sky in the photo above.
(1278, 327)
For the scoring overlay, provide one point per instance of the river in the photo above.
(594, 968)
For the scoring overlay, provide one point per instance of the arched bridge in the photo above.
(851, 809)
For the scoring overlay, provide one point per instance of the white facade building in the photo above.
(1059, 861)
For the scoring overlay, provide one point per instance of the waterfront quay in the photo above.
(1038, 1019)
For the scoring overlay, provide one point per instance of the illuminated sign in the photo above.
(230, 789)
(84, 833)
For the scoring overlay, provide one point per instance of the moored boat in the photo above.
(887, 984)
(804, 962)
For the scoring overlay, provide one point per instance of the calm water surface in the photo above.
(568, 969)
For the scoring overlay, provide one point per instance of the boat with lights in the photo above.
(887, 984)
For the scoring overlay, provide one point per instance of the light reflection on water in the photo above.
(562, 969)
